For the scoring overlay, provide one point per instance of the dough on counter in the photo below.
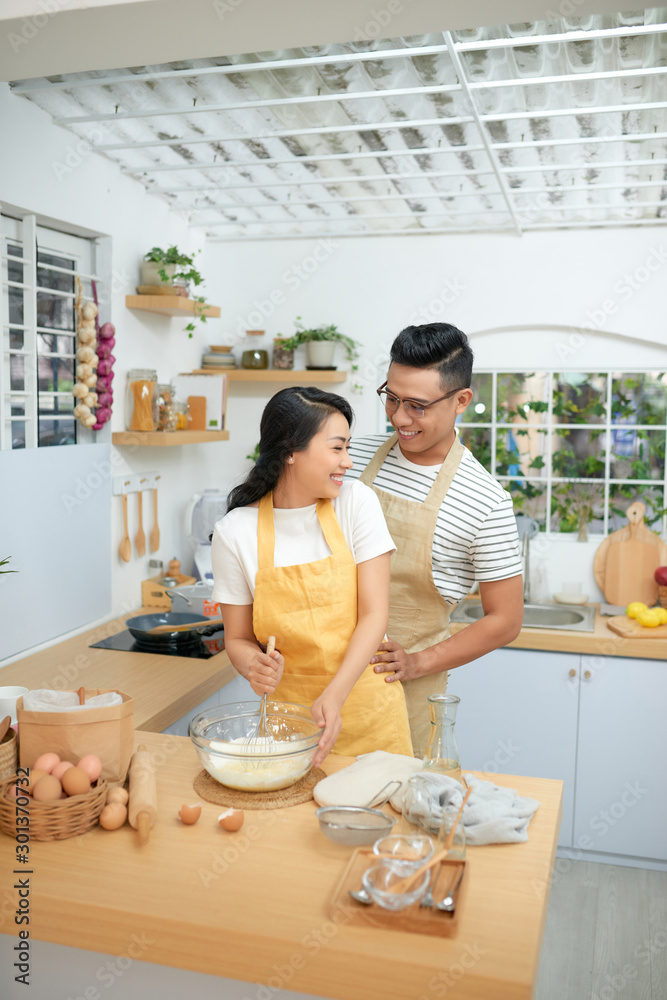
(359, 783)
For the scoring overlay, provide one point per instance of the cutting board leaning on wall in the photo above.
(626, 560)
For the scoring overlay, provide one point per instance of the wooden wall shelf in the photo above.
(166, 439)
(276, 375)
(169, 305)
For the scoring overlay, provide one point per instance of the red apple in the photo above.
(661, 576)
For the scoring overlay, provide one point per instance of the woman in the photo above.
(304, 556)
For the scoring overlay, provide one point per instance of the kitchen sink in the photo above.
(572, 619)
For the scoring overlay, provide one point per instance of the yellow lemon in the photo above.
(650, 618)
(662, 612)
(633, 610)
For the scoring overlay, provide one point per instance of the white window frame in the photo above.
(33, 236)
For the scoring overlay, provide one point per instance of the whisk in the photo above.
(262, 732)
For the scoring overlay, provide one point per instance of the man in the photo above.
(451, 521)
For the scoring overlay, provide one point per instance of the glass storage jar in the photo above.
(140, 399)
(255, 359)
(165, 396)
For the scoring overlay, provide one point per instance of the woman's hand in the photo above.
(264, 671)
(326, 713)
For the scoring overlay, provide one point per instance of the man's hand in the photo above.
(392, 657)
(326, 713)
(265, 671)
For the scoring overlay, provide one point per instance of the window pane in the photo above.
(16, 340)
(53, 343)
(55, 312)
(579, 398)
(573, 502)
(637, 454)
(578, 454)
(522, 398)
(16, 407)
(53, 432)
(49, 404)
(478, 440)
(18, 434)
(54, 279)
(480, 407)
(55, 374)
(15, 304)
(638, 398)
(528, 497)
(521, 450)
(17, 373)
(621, 495)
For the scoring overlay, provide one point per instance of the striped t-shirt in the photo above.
(475, 536)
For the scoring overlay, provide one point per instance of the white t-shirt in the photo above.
(299, 539)
(475, 536)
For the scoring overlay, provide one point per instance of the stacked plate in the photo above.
(220, 357)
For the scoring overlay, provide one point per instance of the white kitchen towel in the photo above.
(492, 815)
(46, 700)
(359, 783)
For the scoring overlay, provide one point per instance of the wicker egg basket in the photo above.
(8, 755)
(52, 820)
(662, 594)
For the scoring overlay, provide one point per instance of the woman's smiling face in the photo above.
(317, 471)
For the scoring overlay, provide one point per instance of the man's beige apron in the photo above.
(418, 614)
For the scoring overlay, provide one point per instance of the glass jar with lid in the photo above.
(140, 399)
(165, 406)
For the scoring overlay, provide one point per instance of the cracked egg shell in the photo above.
(190, 814)
(231, 820)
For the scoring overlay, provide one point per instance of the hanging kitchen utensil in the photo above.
(626, 560)
(155, 533)
(140, 540)
(125, 547)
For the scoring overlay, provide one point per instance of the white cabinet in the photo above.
(518, 715)
(621, 796)
(596, 722)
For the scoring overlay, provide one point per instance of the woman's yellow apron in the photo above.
(312, 611)
(418, 613)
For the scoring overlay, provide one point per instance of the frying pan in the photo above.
(140, 627)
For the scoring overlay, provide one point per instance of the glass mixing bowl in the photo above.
(221, 738)
(382, 885)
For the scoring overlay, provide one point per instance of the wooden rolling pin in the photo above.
(142, 806)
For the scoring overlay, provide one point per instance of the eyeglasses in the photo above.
(412, 408)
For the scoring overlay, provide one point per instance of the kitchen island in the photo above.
(254, 905)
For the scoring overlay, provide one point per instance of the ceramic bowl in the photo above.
(379, 882)
(404, 852)
(221, 738)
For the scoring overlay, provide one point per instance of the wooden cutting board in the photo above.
(626, 560)
(630, 629)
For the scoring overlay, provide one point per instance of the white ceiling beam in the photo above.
(346, 219)
(524, 41)
(591, 140)
(326, 181)
(342, 200)
(542, 81)
(593, 165)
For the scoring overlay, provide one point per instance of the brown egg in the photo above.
(60, 769)
(47, 789)
(35, 775)
(113, 816)
(190, 814)
(75, 781)
(231, 820)
(46, 762)
(118, 794)
(92, 765)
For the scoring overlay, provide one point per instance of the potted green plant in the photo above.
(3, 562)
(173, 267)
(321, 344)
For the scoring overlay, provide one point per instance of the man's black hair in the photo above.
(436, 345)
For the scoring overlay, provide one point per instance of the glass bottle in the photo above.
(140, 399)
(165, 406)
(442, 753)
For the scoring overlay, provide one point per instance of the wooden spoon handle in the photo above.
(184, 628)
(405, 884)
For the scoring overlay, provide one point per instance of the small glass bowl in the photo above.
(407, 851)
(379, 881)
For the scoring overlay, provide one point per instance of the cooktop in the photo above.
(201, 648)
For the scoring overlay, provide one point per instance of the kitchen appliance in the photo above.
(196, 599)
(201, 515)
(201, 647)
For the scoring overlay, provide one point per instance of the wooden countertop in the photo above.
(250, 904)
(600, 642)
(164, 688)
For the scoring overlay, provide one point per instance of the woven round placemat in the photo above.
(301, 791)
